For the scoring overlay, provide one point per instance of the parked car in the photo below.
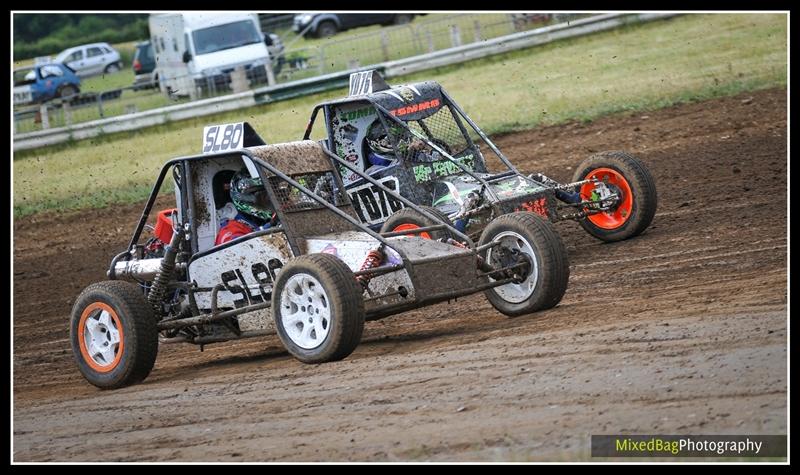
(323, 25)
(144, 66)
(44, 82)
(91, 59)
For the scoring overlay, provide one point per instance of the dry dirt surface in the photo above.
(682, 330)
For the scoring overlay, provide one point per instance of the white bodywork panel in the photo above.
(352, 247)
(247, 269)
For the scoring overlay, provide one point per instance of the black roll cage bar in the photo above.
(448, 101)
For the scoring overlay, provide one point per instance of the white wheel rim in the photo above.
(511, 292)
(101, 338)
(305, 311)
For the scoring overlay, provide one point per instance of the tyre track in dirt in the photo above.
(682, 329)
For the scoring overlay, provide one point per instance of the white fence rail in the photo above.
(516, 41)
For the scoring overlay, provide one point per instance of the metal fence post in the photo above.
(239, 80)
(321, 60)
(385, 45)
(415, 40)
(100, 104)
(270, 73)
(44, 115)
(477, 25)
(455, 35)
(429, 37)
(67, 111)
(512, 24)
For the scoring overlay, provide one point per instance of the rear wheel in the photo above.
(112, 68)
(408, 219)
(531, 242)
(113, 334)
(67, 90)
(318, 308)
(630, 178)
(327, 29)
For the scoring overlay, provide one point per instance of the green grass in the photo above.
(640, 67)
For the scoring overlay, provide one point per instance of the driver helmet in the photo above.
(381, 151)
(249, 196)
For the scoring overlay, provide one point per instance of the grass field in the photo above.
(640, 67)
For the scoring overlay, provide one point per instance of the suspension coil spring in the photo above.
(159, 286)
(374, 259)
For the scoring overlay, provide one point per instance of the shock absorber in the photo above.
(374, 259)
(159, 286)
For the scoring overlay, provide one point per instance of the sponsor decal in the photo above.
(358, 113)
(330, 249)
(412, 108)
(406, 94)
(372, 204)
(427, 172)
(538, 206)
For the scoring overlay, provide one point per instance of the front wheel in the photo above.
(628, 177)
(532, 245)
(112, 68)
(318, 308)
(113, 334)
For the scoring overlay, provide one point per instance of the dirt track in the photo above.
(681, 330)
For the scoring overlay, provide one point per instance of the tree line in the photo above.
(46, 34)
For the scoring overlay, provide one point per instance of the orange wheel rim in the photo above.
(90, 348)
(409, 227)
(615, 218)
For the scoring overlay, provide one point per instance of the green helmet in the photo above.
(249, 196)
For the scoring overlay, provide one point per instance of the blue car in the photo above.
(43, 82)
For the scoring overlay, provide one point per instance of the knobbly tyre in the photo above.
(375, 129)
(314, 278)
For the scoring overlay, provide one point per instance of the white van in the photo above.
(199, 50)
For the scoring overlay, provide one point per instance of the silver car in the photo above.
(91, 59)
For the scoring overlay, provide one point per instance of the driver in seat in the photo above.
(381, 153)
(254, 212)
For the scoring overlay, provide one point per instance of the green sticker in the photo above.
(422, 173)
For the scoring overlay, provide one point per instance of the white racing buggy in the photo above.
(314, 277)
(416, 140)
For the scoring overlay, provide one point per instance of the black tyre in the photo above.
(327, 29)
(527, 238)
(113, 334)
(67, 90)
(407, 219)
(318, 308)
(629, 176)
